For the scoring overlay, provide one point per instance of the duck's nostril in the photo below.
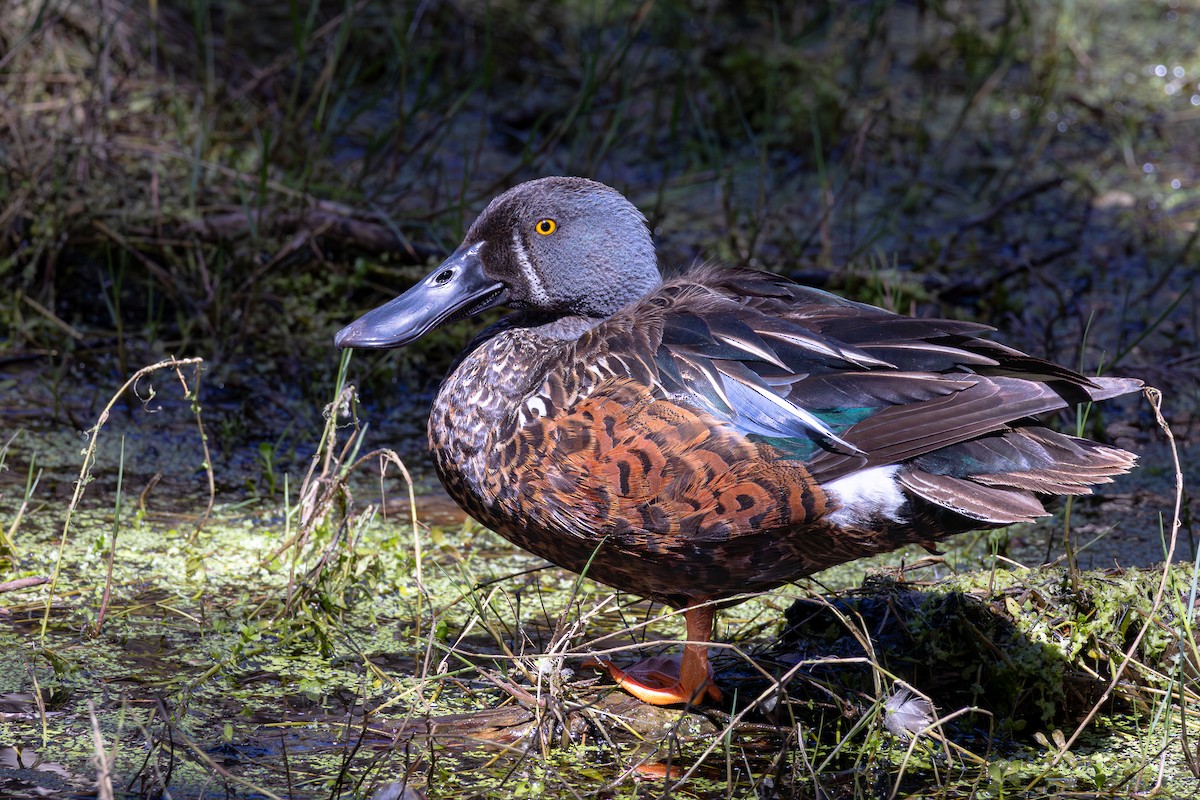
(444, 277)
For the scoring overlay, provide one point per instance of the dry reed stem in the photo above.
(1154, 397)
(89, 455)
(102, 760)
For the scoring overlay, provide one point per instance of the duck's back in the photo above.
(734, 430)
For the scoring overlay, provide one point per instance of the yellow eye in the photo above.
(546, 227)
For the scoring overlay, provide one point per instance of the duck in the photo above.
(698, 438)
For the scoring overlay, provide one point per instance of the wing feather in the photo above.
(842, 385)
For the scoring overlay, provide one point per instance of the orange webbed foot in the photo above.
(671, 680)
(659, 681)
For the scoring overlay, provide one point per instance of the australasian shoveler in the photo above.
(722, 432)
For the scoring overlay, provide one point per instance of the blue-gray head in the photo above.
(559, 246)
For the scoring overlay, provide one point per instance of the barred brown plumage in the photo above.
(723, 432)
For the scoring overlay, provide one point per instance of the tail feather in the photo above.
(1000, 479)
(987, 505)
(1113, 387)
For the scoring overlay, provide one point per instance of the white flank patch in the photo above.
(866, 495)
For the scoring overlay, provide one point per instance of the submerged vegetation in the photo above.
(228, 592)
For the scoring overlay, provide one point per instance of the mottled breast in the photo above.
(601, 473)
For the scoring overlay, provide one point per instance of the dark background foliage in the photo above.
(236, 181)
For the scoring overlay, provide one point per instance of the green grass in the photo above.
(314, 648)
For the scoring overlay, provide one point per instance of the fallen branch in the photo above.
(22, 583)
(326, 221)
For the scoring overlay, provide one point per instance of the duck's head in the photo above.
(559, 246)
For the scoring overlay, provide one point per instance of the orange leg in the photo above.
(665, 681)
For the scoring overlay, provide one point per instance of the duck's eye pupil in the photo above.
(546, 227)
(443, 277)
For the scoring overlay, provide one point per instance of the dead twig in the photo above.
(102, 760)
(89, 457)
(22, 583)
(1154, 396)
(328, 221)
